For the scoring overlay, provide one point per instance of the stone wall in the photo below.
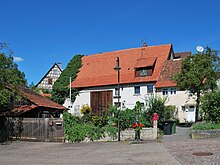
(202, 134)
(129, 134)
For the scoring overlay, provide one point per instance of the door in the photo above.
(100, 102)
(191, 115)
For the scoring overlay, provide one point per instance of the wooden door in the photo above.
(100, 102)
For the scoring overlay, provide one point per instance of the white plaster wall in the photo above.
(128, 98)
(179, 99)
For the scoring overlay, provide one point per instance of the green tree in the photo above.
(210, 106)
(60, 88)
(10, 77)
(198, 74)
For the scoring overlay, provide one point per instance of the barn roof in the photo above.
(98, 69)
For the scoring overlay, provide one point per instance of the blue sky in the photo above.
(43, 32)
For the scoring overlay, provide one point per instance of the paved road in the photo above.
(23, 153)
(181, 147)
(172, 150)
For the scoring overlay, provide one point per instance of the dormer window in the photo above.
(142, 72)
(144, 67)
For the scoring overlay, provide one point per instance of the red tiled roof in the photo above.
(145, 62)
(182, 54)
(18, 110)
(98, 69)
(39, 100)
(170, 68)
(46, 94)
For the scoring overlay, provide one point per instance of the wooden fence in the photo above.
(36, 129)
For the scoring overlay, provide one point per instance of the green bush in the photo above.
(210, 107)
(128, 117)
(155, 105)
(76, 129)
(100, 121)
(110, 131)
(169, 112)
(87, 118)
(205, 126)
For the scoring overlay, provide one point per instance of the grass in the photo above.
(205, 126)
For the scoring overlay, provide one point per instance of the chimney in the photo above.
(144, 44)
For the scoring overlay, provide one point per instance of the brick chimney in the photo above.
(144, 44)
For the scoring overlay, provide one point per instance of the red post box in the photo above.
(155, 116)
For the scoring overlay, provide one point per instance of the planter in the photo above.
(203, 134)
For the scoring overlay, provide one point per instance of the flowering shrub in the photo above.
(137, 127)
(86, 109)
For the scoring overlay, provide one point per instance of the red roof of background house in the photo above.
(98, 69)
(36, 101)
(39, 100)
(46, 94)
(182, 54)
(170, 68)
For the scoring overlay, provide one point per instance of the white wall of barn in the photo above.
(129, 98)
(127, 92)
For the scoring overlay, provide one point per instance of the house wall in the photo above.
(179, 100)
(48, 81)
(128, 97)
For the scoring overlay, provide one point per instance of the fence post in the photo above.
(46, 121)
(154, 129)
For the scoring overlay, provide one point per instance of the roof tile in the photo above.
(98, 69)
(170, 68)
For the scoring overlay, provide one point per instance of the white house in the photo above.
(139, 78)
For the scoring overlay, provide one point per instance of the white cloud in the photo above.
(18, 59)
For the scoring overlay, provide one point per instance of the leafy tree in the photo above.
(60, 88)
(199, 73)
(210, 106)
(33, 88)
(10, 77)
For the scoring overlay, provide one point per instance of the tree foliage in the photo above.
(10, 77)
(210, 106)
(155, 105)
(60, 88)
(199, 73)
(76, 129)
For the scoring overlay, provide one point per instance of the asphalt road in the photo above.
(103, 153)
(173, 149)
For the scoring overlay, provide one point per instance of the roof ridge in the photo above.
(123, 50)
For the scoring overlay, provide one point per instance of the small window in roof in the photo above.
(141, 72)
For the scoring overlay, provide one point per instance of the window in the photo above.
(141, 72)
(165, 92)
(137, 90)
(116, 92)
(55, 71)
(50, 81)
(173, 91)
(150, 88)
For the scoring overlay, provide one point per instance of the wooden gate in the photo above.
(100, 102)
(37, 129)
